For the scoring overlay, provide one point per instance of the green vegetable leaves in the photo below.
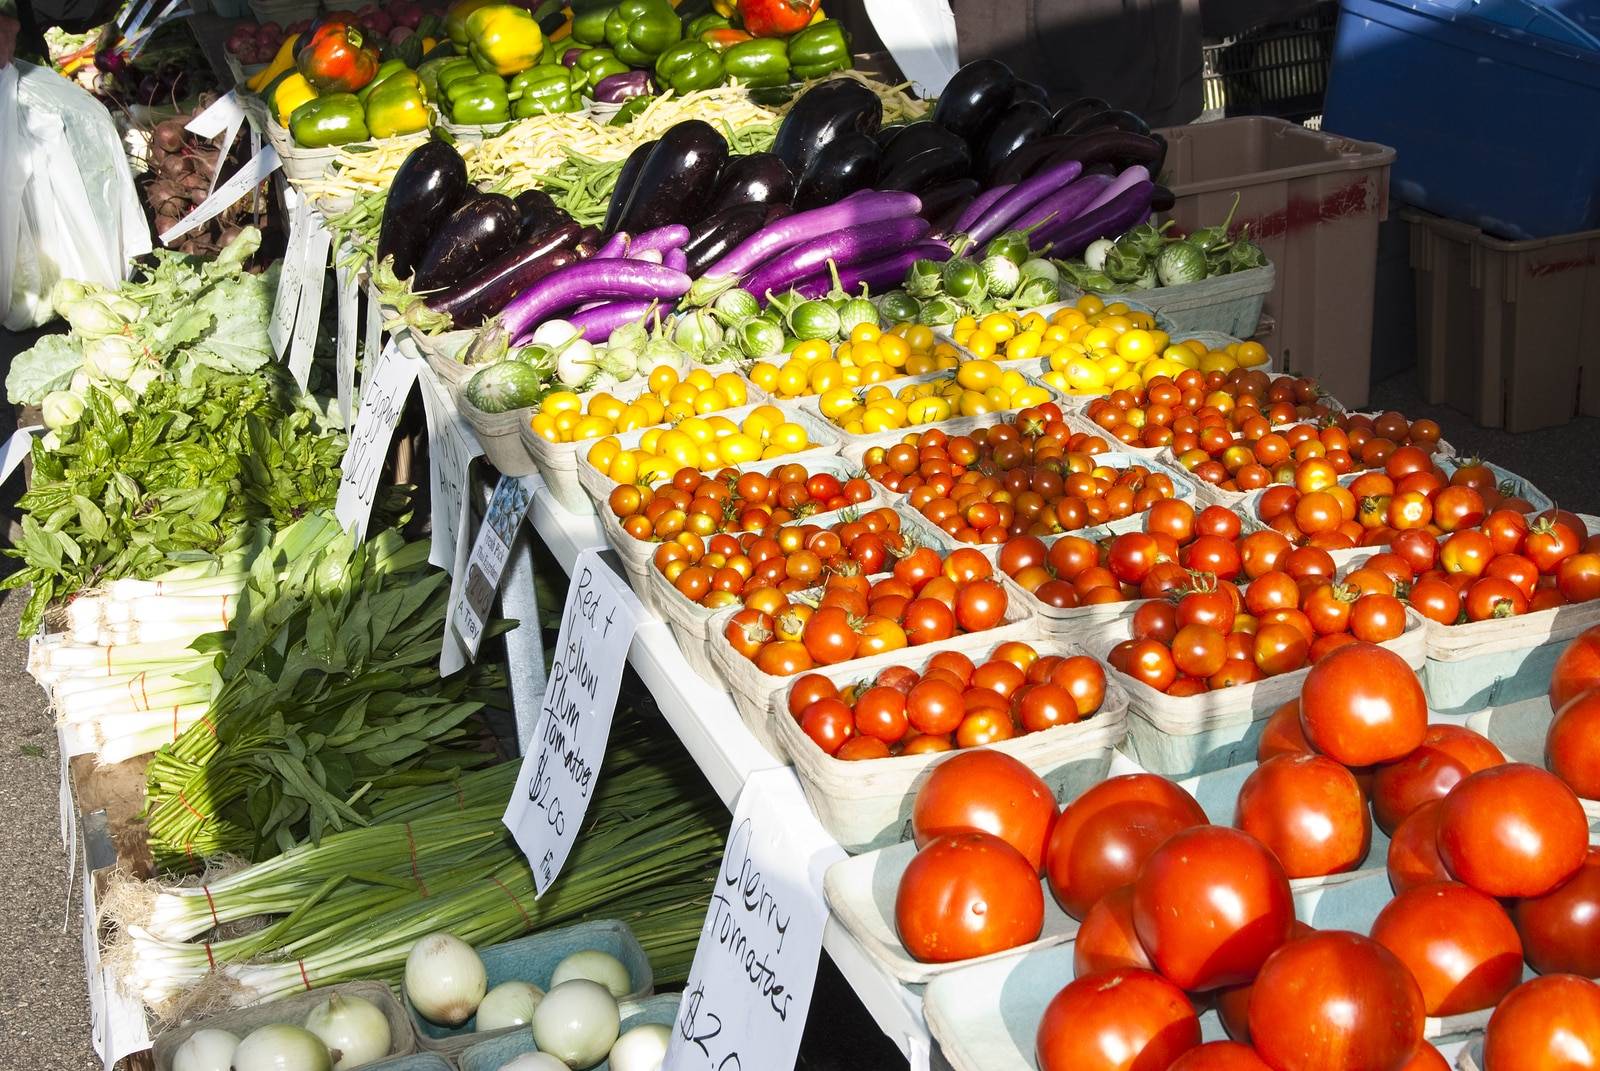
(48, 366)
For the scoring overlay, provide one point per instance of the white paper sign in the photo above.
(291, 273)
(17, 449)
(472, 595)
(345, 348)
(744, 1005)
(384, 390)
(451, 448)
(369, 349)
(247, 178)
(919, 1057)
(308, 318)
(562, 765)
(223, 118)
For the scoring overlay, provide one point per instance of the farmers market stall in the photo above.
(1065, 667)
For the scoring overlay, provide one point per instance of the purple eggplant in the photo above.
(614, 247)
(1109, 119)
(1162, 199)
(1120, 148)
(1069, 237)
(618, 88)
(569, 58)
(1066, 203)
(677, 178)
(757, 178)
(1023, 196)
(676, 259)
(672, 236)
(980, 204)
(480, 229)
(864, 207)
(974, 98)
(914, 139)
(721, 231)
(482, 294)
(943, 204)
(537, 213)
(622, 189)
(429, 184)
(1019, 124)
(591, 280)
(597, 321)
(1029, 91)
(822, 113)
(1071, 114)
(866, 241)
(882, 274)
(846, 164)
(930, 167)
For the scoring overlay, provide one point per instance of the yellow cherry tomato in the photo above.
(561, 401)
(1252, 354)
(764, 374)
(788, 438)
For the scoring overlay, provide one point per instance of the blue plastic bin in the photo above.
(1490, 106)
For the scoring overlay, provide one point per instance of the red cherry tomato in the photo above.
(990, 792)
(934, 706)
(1309, 811)
(1561, 929)
(1333, 1001)
(1119, 1020)
(1362, 705)
(966, 895)
(1512, 830)
(1547, 1024)
(880, 713)
(1459, 945)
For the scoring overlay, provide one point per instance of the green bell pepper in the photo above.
(479, 99)
(709, 21)
(761, 62)
(545, 91)
(397, 106)
(640, 30)
(819, 49)
(589, 24)
(334, 119)
(429, 70)
(689, 66)
(598, 64)
(386, 69)
(453, 70)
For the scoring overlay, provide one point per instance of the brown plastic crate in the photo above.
(1313, 202)
(1507, 332)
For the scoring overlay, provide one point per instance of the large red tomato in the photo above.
(1210, 905)
(1309, 811)
(1080, 873)
(1547, 1024)
(1220, 1056)
(1512, 830)
(1362, 704)
(1561, 929)
(1448, 754)
(1282, 734)
(965, 895)
(1572, 749)
(1335, 1001)
(990, 792)
(1577, 670)
(1426, 1058)
(1106, 939)
(1459, 945)
(1414, 849)
(1233, 1003)
(1122, 1020)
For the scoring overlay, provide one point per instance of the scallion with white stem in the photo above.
(640, 1048)
(205, 1050)
(508, 1004)
(445, 979)
(354, 1029)
(577, 1022)
(282, 1047)
(596, 966)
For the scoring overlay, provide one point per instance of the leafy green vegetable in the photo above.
(48, 366)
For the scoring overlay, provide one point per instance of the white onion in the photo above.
(353, 1028)
(576, 1022)
(282, 1047)
(205, 1050)
(445, 979)
(596, 966)
(508, 1004)
(642, 1048)
(534, 1061)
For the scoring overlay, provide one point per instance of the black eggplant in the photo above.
(941, 204)
(1033, 91)
(1162, 199)
(846, 164)
(887, 134)
(916, 139)
(1019, 124)
(758, 178)
(589, 242)
(928, 168)
(481, 228)
(428, 185)
(974, 98)
(677, 179)
(1118, 147)
(822, 113)
(1069, 114)
(537, 213)
(627, 179)
(1109, 119)
(489, 289)
(721, 231)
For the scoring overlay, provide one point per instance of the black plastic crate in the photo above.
(1280, 69)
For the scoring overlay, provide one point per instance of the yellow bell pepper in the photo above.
(292, 92)
(280, 63)
(503, 39)
(725, 8)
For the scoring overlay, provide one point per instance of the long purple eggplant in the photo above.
(862, 207)
(1130, 177)
(1023, 196)
(980, 204)
(1069, 238)
(867, 241)
(661, 239)
(430, 183)
(1067, 203)
(591, 280)
(719, 232)
(481, 295)
(880, 274)
(676, 259)
(481, 228)
(598, 321)
(615, 246)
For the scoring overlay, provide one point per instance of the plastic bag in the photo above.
(68, 206)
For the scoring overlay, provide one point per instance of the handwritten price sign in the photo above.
(744, 1006)
(383, 398)
(561, 767)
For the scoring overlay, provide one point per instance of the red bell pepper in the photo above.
(777, 18)
(335, 57)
